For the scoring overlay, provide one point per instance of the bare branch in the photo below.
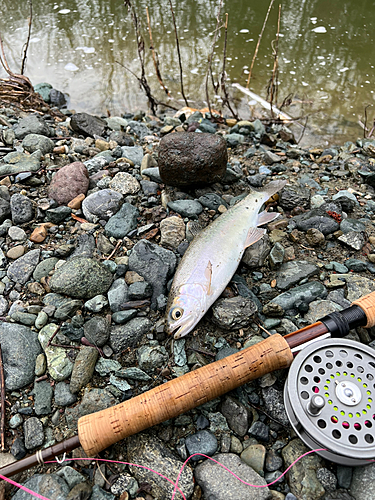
(178, 52)
(26, 46)
(155, 55)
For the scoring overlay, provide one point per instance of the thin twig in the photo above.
(209, 67)
(178, 52)
(372, 130)
(63, 346)
(114, 250)
(264, 329)
(53, 335)
(257, 47)
(226, 101)
(26, 46)
(303, 131)
(365, 126)
(155, 55)
(2, 388)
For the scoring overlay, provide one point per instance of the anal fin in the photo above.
(266, 217)
(254, 235)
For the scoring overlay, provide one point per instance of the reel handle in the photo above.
(104, 428)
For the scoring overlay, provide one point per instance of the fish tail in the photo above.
(270, 189)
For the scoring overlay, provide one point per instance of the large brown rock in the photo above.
(190, 158)
(69, 182)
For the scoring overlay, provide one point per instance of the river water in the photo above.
(326, 55)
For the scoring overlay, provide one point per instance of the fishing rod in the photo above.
(336, 378)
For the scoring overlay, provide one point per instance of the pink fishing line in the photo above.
(176, 487)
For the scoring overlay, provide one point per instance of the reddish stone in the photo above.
(69, 182)
(39, 234)
(187, 159)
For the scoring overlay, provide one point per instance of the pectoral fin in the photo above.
(254, 235)
(208, 277)
(266, 217)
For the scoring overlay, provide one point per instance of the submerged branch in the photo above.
(178, 52)
(26, 46)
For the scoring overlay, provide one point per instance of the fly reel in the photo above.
(330, 400)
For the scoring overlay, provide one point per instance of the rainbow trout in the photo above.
(213, 257)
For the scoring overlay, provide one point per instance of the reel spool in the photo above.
(330, 400)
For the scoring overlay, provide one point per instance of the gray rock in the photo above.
(273, 461)
(106, 366)
(44, 268)
(294, 271)
(125, 183)
(318, 218)
(327, 479)
(57, 215)
(125, 482)
(93, 400)
(276, 256)
(303, 481)
(102, 204)
(43, 393)
(149, 187)
(81, 278)
(97, 303)
(353, 240)
(155, 264)
(22, 268)
(233, 313)
(67, 309)
(294, 196)
(254, 456)
(130, 334)
(151, 357)
(124, 221)
(99, 494)
(31, 124)
(305, 293)
(141, 450)
(234, 139)
(83, 368)
(186, 208)
(118, 294)
(344, 476)
(140, 290)
(44, 89)
(87, 125)
(260, 431)
(320, 308)
(71, 476)
(18, 449)
(21, 208)
(116, 123)
(363, 482)
(134, 153)
(34, 434)
(350, 225)
(237, 415)
(274, 405)
(172, 231)
(201, 442)
(358, 286)
(20, 348)
(255, 255)
(33, 142)
(356, 265)
(212, 201)
(63, 396)
(153, 173)
(122, 317)
(219, 484)
(48, 485)
(23, 318)
(97, 330)
(133, 373)
(59, 365)
(138, 129)
(5, 212)
(15, 163)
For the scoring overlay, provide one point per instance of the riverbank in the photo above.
(91, 237)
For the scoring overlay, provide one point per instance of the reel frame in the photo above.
(329, 398)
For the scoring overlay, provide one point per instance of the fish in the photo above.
(213, 257)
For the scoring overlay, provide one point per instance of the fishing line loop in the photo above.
(62, 460)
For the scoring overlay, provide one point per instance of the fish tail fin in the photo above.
(270, 189)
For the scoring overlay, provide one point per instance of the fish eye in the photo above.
(177, 312)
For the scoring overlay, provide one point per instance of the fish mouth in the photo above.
(179, 330)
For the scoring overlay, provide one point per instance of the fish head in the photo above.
(185, 309)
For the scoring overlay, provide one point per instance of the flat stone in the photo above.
(14, 163)
(219, 484)
(254, 456)
(34, 142)
(124, 221)
(101, 205)
(87, 125)
(68, 183)
(201, 442)
(125, 183)
(81, 277)
(118, 294)
(255, 255)
(172, 231)
(22, 209)
(186, 208)
(140, 450)
(130, 334)
(233, 313)
(34, 434)
(32, 124)
(43, 393)
(21, 269)
(59, 365)
(20, 348)
(63, 396)
(39, 234)
(83, 368)
(292, 272)
(304, 293)
(237, 415)
(93, 400)
(15, 252)
(134, 153)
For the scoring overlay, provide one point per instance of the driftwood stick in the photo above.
(2, 388)
(258, 44)
(226, 100)
(209, 67)
(53, 335)
(275, 71)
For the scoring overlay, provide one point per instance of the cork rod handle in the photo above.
(102, 429)
(367, 304)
